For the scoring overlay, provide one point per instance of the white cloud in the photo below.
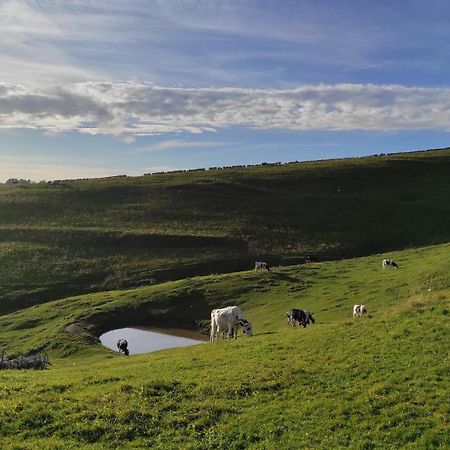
(130, 109)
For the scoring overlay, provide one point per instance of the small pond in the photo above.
(142, 340)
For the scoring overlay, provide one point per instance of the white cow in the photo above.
(389, 263)
(228, 320)
(359, 310)
(259, 265)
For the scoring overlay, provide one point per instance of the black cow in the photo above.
(122, 345)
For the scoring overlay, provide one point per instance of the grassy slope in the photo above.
(57, 241)
(376, 383)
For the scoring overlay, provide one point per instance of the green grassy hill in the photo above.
(156, 250)
(58, 240)
(379, 382)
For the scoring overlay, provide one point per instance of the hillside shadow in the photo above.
(285, 277)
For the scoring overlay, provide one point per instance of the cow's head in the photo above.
(247, 327)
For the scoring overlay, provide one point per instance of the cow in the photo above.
(227, 321)
(296, 316)
(359, 310)
(259, 265)
(389, 263)
(122, 346)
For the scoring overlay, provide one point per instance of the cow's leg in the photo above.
(231, 331)
(214, 332)
(217, 333)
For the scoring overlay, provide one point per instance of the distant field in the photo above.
(380, 382)
(67, 239)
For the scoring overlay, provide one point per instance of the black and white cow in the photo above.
(299, 317)
(122, 346)
(296, 316)
(389, 263)
(259, 265)
(359, 310)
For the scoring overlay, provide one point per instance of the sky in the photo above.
(92, 88)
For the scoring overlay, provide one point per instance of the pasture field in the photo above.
(379, 382)
(64, 239)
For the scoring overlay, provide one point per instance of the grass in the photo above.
(380, 382)
(62, 240)
(180, 244)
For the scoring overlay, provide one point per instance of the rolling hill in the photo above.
(74, 237)
(165, 249)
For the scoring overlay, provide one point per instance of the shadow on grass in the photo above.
(266, 333)
(285, 277)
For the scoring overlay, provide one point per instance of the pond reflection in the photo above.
(142, 340)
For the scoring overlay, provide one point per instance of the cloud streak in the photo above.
(173, 144)
(130, 109)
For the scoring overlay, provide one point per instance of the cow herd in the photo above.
(226, 322)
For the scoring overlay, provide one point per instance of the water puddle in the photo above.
(141, 340)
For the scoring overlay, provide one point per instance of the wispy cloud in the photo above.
(131, 109)
(32, 50)
(173, 144)
(218, 42)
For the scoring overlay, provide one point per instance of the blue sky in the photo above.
(93, 88)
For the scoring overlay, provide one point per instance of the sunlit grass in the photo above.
(380, 382)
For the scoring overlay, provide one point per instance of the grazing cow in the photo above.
(226, 321)
(259, 265)
(389, 263)
(122, 345)
(359, 310)
(296, 316)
